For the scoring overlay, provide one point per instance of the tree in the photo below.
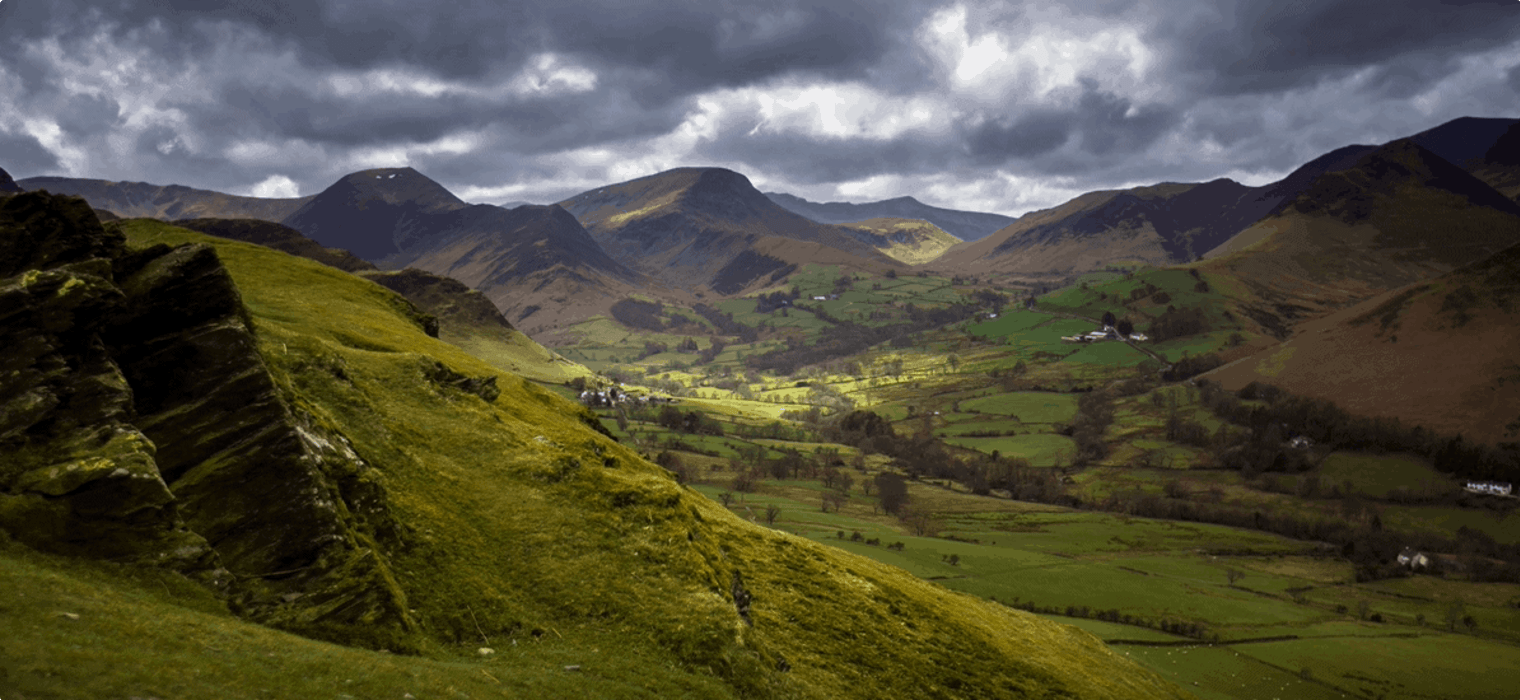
(1108, 318)
(1125, 328)
(1234, 575)
(726, 498)
(892, 491)
(772, 512)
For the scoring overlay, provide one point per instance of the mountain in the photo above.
(1464, 140)
(709, 227)
(1399, 214)
(6, 183)
(1500, 165)
(1157, 224)
(377, 214)
(140, 199)
(1437, 353)
(535, 263)
(288, 436)
(911, 241)
(965, 225)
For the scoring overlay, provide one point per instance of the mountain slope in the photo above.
(471, 507)
(535, 263)
(964, 225)
(1158, 224)
(278, 237)
(690, 226)
(912, 241)
(6, 183)
(1500, 165)
(140, 199)
(377, 213)
(1438, 353)
(1464, 140)
(1399, 214)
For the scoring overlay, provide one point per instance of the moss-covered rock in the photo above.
(141, 421)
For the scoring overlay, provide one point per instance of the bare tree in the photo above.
(726, 498)
(772, 512)
(1234, 575)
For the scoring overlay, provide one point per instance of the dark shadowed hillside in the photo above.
(378, 214)
(688, 226)
(140, 199)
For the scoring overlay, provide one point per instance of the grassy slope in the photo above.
(526, 527)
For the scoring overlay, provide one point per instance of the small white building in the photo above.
(1301, 443)
(1492, 488)
(1413, 559)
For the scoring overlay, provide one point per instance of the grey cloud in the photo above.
(22, 156)
(1256, 46)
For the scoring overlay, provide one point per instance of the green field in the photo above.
(1030, 407)
(1379, 475)
(1041, 449)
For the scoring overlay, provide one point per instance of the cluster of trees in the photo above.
(1095, 411)
(644, 315)
(1191, 366)
(1182, 628)
(689, 422)
(1325, 423)
(766, 303)
(1177, 323)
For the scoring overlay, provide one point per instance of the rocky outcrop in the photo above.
(453, 304)
(140, 420)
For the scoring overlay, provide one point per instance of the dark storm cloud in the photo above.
(1250, 46)
(496, 96)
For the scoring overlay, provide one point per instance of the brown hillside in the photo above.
(1399, 215)
(166, 202)
(1439, 353)
(688, 225)
(535, 263)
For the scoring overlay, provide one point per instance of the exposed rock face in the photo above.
(143, 422)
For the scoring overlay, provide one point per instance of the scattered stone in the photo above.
(69, 615)
(485, 651)
(573, 667)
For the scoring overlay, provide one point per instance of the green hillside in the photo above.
(494, 516)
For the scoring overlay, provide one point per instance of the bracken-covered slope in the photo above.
(140, 199)
(393, 491)
(1158, 224)
(911, 241)
(536, 263)
(703, 227)
(1397, 215)
(1439, 353)
(964, 225)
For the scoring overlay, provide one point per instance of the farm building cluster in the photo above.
(1492, 488)
(1107, 333)
(613, 396)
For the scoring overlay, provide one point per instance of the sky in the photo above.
(988, 106)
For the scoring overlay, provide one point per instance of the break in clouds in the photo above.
(989, 106)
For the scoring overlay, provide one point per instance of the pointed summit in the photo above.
(376, 214)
